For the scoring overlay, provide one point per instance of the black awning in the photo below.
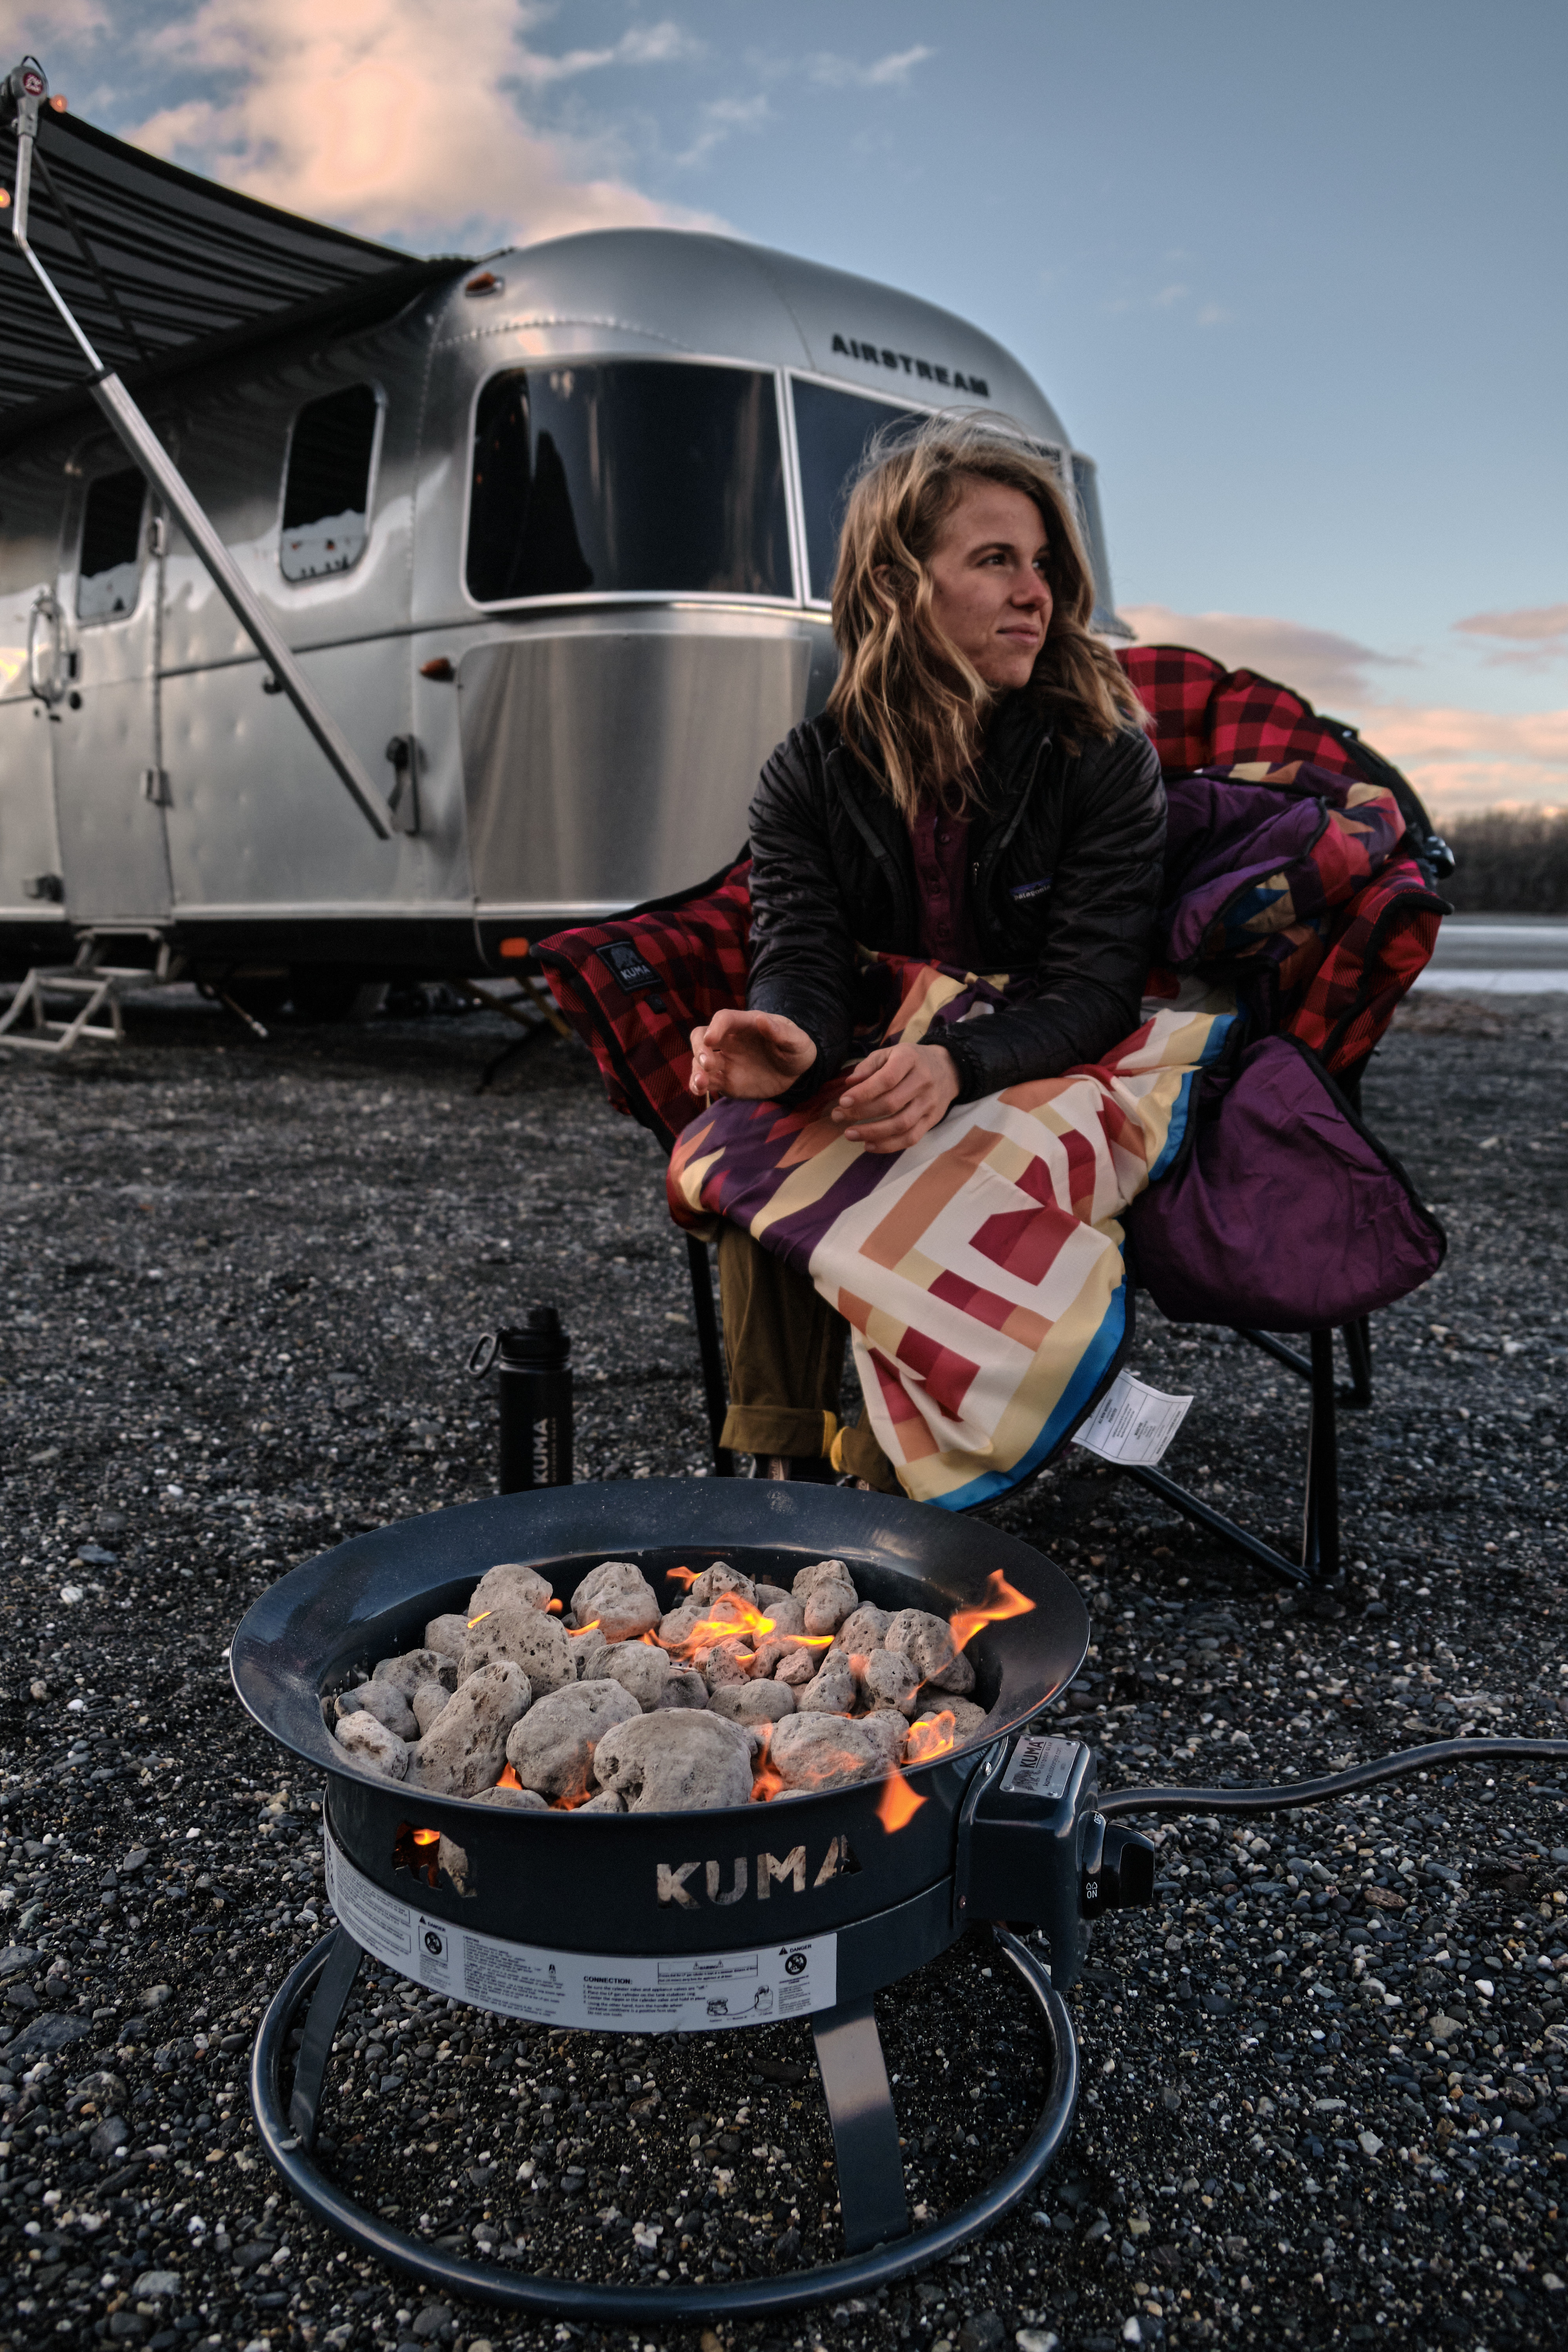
(162, 268)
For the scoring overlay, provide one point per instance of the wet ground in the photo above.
(1326, 2076)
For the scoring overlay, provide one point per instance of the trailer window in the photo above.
(327, 489)
(633, 476)
(108, 576)
(1086, 489)
(832, 432)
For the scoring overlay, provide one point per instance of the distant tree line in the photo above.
(1511, 862)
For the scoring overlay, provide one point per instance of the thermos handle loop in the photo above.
(483, 1354)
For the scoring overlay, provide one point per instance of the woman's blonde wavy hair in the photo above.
(903, 691)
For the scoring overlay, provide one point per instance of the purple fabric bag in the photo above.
(1283, 1214)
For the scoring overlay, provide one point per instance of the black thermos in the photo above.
(535, 1403)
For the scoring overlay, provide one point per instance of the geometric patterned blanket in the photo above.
(980, 1271)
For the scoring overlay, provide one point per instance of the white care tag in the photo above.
(1133, 1422)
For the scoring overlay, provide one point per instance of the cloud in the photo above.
(647, 45)
(721, 119)
(348, 112)
(890, 72)
(1327, 668)
(1536, 634)
(1455, 758)
(1459, 759)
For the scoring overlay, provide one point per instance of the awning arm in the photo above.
(28, 85)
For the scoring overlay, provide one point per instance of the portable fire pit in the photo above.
(703, 1920)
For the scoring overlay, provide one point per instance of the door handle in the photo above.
(46, 610)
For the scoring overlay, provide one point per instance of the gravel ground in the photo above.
(1327, 2076)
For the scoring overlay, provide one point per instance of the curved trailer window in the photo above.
(326, 488)
(832, 432)
(109, 575)
(629, 476)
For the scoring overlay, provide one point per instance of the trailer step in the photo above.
(96, 989)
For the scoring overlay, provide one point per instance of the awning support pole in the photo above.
(28, 86)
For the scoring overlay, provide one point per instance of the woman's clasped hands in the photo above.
(898, 1093)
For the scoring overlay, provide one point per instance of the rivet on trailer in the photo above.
(363, 618)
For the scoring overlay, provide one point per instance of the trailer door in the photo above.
(108, 779)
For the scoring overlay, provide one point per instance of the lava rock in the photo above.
(830, 1691)
(753, 1701)
(639, 1667)
(386, 1702)
(676, 1761)
(826, 1594)
(416, 1667)
(428, 1701)
(445, 1635)
(466, 1747)
(552, 1749)
(510, 1581)
(819, 1751)
(523, 1801)
(717, 1580)
(927, 1641)
(619, 1598)
(513, 1632)
(372, 1746)
(886, 1679)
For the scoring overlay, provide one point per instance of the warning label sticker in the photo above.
(694, 1992)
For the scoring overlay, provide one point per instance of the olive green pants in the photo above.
(784, 1346)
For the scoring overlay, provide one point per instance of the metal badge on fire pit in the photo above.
(682, 1993)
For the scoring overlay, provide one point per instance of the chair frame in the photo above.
(1320, 1557)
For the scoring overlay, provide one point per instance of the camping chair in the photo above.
(634, 987)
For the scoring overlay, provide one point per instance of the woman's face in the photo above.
(989, 593)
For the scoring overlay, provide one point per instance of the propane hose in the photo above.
(1280, 1797)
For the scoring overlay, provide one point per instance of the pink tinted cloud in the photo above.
(355, 112)
(1534, 636)
(1457, 758)
(1327, 668)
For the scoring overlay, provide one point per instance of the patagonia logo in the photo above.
(1031, 889)
(628, 966)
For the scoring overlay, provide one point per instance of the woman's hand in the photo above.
(899, 1094)
(750, 1056)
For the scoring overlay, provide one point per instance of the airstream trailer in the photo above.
(552, 544)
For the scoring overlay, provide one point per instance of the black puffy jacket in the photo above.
(1064, 879)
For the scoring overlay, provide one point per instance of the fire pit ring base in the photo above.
(849, 2074)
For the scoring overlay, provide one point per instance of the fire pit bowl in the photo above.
(694, 1920)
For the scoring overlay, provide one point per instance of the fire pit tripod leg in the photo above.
(332, 1989)
(871, 2202)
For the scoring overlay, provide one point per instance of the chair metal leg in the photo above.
(1320, 1517)
(711, 1347)
(871, 2199)
(1357, 1337)
(332, 1988)
(1320, 1559)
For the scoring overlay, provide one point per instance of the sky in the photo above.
(1295, 276)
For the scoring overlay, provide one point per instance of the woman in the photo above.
(977, 793)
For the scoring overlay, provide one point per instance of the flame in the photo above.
(508, 1778)
(687, 1576)
(480, 1619)
(427, 1837)
(554, 1608)
(575, 1632)
(768, 1781)
(734, 1619)
(932, 1735)
(1001, 1601)
(899, 1803)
